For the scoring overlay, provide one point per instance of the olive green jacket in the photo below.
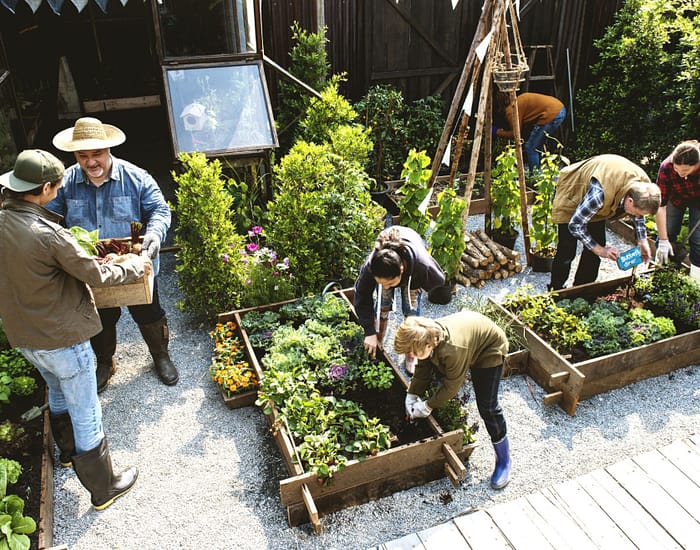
(470, 340)
(615, 174)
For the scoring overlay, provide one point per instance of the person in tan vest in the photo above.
(588, 193)
(538, 116)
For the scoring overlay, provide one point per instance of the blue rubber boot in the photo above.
(501, 474)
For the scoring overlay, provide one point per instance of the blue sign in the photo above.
(630, 258)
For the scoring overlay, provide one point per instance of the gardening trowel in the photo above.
(33, 413)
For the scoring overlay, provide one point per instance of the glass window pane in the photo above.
(223, 108)
(195, 28)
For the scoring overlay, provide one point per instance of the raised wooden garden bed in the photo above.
(407, 463)
(567, 383)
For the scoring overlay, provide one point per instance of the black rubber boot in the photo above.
(94, 470)
(156, 336)
(62, 431)
(104, 345)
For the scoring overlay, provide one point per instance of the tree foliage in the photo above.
(645, 97)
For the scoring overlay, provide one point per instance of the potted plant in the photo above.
(505, 199)
(544, 230)
(413, 207)
(447, 242)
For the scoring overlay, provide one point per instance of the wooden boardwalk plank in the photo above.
(641, 528)
(480, 532)
(512, 518)
(409, 542)
(686, 457)
(443, 536)
(577, 539)
(671, 479)
(679, 524)
(585, 511)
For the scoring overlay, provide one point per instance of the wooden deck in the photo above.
(651, 501)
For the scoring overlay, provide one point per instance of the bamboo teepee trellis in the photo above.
(496, 53)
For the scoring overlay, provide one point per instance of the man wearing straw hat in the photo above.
(107, 193)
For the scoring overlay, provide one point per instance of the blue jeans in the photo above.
(674, 221)
(410, 300)
(486, 382)
(70, 376)
(535, 141)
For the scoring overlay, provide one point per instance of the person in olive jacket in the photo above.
(453, 347)
(49, 315)
(400, 259)
(589, 192)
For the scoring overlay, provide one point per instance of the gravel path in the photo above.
(209, 475)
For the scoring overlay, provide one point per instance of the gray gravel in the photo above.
(209, 475)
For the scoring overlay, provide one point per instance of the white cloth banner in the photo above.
(481, 48)
(468, 102)
(10, 4)
(57, 5)
(446, 157)
(34, 4)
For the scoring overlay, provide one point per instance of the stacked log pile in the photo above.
(485, 259)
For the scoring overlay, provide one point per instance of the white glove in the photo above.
(411, 399)
(421, 409)
(151, 245)
(663, 251)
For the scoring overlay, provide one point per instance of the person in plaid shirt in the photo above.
(589, 192)
(679, 182)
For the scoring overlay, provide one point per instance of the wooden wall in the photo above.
(420, 45)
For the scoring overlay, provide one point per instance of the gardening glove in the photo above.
(151, 245)
(411, 399)
(494, 129)
(421, 409)
(663, 251)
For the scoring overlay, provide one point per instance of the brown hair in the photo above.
(389, 254)
(645, 195)
(18, 195)
(415, 334)
(686, 153)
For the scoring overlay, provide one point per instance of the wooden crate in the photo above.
(398, 468)
(567, 383)
(139, 292)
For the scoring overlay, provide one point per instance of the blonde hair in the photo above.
(415, 334)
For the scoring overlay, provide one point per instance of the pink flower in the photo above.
(252, 247)
(225, 258)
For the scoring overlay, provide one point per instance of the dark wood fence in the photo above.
(420, 45)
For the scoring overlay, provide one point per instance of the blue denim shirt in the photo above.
(129, 194)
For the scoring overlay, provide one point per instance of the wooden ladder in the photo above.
(549, 76)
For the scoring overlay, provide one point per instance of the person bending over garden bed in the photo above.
(450, 347)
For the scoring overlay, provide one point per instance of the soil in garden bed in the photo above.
(389, 407)
(27, 451)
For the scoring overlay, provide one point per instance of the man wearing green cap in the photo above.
(49, 315)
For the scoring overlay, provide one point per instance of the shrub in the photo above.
(210, 275)
(649, 56)
(322, 216)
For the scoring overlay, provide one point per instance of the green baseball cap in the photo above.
(33, 168)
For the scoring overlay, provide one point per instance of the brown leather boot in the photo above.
(62, 431)
(94, 470)
(156, 336)
(104, 345)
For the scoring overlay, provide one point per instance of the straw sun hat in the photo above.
(88, 134)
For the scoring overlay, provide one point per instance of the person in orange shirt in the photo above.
(543, 113)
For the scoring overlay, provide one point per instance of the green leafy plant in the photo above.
(13, 437)
(14, 525)
(447, 236)
(307, 369)
(481, 304)
(210, 275)
(454, 415)
(505, 194)
(424, 123)
(376, 375)
(4, 343)
(544, 230)
(309, 63)
(672, 293)
(16, 375)
(322, 216)
(415, 190)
